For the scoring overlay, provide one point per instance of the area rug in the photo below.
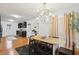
(24, 50)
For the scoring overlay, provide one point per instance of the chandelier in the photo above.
(44, 14)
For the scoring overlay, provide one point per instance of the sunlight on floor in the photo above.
(9, 45)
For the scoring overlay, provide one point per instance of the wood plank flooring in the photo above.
(16, 43)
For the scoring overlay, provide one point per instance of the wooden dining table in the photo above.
(47, 40)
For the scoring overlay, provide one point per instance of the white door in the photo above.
(9, 29)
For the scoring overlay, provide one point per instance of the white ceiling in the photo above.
(30, 10)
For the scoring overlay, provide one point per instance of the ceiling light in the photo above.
(11, 20)
(16, 16)
(44, 13)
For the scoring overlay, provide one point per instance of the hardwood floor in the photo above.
(3, 50)
(16, 43)
(21, 41)
(77, 51)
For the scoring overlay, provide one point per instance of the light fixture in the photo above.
(16, 16)
(44, 13)
(11, 20)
